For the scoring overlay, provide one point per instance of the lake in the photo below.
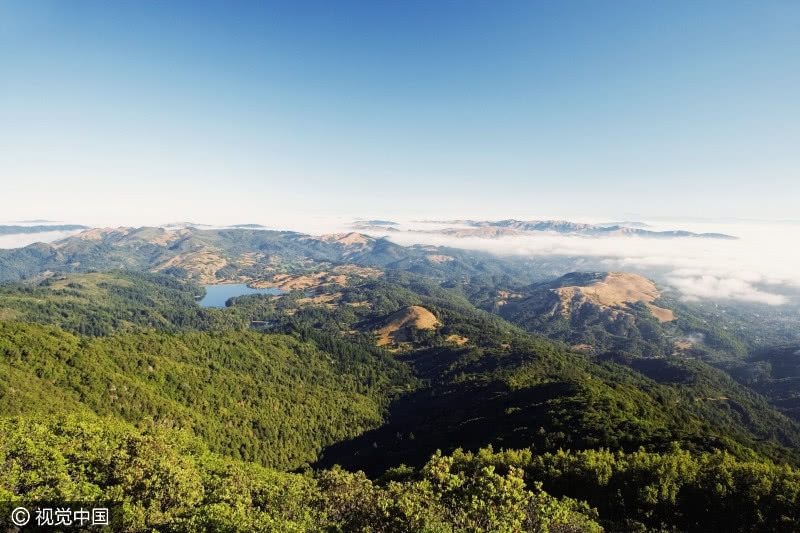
(217, 295)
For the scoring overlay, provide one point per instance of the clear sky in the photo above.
(239, 111)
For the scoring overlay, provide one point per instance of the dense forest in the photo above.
(282, 413)
(162, 479)
(263, 398)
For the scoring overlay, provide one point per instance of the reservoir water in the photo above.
(217, 295)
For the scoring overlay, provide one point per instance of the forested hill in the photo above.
(314, 378)
(472, 380)
(263, 398)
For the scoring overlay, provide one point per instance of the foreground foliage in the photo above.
(167, 480)
(675, 490)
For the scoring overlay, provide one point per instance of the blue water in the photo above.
(217, 295)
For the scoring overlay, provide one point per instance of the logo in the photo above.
(20, 516)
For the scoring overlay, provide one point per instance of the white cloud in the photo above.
(17, 240)
(706, 286)
(764, 255)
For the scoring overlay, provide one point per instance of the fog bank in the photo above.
(763, 254)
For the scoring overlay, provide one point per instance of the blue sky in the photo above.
(243, 111)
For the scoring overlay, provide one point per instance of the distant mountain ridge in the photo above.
(186, 225)
(15, 229)
(577, 228)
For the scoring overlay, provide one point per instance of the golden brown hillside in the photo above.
(97, 234)
(201, 267)
(340, 275)
(616, 289)
(396, 328)
(351, 239)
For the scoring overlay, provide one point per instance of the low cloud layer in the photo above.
(752, 268)
(18, 240)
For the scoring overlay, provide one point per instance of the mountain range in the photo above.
(39, 228)
(516, 227)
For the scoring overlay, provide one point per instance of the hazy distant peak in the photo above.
(183, 225)
(15, 229)
(487, 232)
(375, 223)
(579, 228)
(625, 224)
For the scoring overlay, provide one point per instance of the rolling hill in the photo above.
(398, 327)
